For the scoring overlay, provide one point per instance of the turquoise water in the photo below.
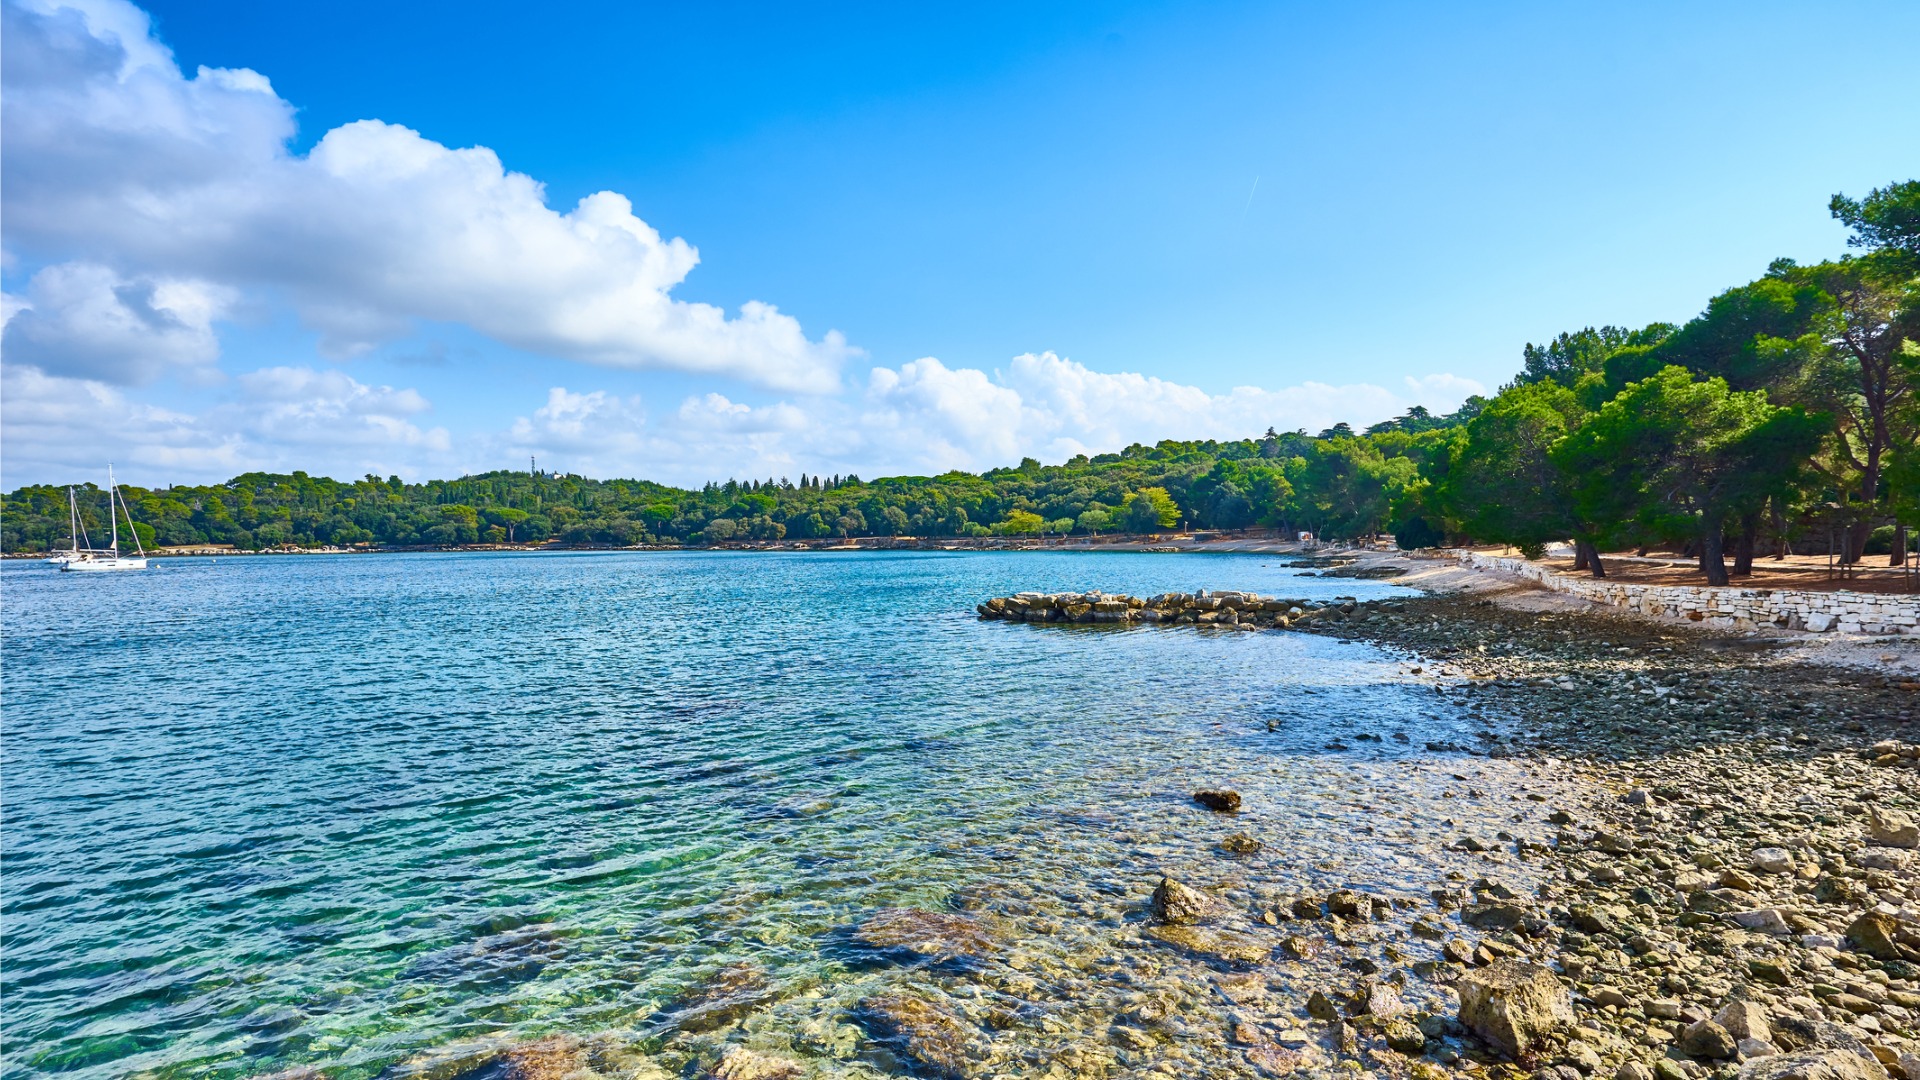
(342, 811)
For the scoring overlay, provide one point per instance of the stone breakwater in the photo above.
(1226, 610)
(1726, 608)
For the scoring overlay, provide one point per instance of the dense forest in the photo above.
(1784, 414)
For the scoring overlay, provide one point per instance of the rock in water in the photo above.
(1222, 802)
(1180, 905)
(1813, 1065)
(1514, 1006)
(553, 1058)
(930, 935)
(1891, 828)
(927, 1035)
(1226, 946)
(726, 996)
(1239, 844)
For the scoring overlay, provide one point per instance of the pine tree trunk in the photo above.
(1587, 557)
(1713, 553)
(1899, 556)
(1743, 547)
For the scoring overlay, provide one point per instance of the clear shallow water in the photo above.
(343, 810)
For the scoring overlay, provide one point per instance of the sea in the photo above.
(362, 814)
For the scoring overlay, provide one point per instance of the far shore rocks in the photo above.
(1224, 610)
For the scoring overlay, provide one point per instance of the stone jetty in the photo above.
(1227, 610)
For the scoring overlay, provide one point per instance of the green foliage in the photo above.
(1020, 523)
(1886, 221)
(1681, 457)
(1149, 509)
(1503, 483)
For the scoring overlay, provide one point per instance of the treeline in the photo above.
(1785, 413)
(1337, 483)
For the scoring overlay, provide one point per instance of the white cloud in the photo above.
(280, 419)
(82, 319)
(115, 157)
(925, 417)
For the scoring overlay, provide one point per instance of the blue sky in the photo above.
(1174, 201)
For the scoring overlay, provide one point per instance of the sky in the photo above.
(694, 242)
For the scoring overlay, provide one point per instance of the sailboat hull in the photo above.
(101, 566)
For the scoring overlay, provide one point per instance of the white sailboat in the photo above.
(80, 545)
(102, 560)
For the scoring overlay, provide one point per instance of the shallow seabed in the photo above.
(349, 811)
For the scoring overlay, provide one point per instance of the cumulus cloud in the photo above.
(925, 417)
(275, 420)
(84, 320)
(116, 157)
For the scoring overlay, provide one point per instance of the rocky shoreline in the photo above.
(1738, 898)
(1690, 860)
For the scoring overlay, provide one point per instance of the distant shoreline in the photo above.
(1157, 543)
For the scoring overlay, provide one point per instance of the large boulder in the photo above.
(1813, 1065)
(1513, 1006)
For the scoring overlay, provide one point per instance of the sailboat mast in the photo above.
(73, 521)
(112, 518)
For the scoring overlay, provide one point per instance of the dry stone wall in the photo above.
(1730, 608)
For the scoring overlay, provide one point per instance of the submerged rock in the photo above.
(740, 1063)
(724, 997)
(1513, 1006)
(928, 935)
(1211, 943)
(556, 1057)
(933, 1038)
